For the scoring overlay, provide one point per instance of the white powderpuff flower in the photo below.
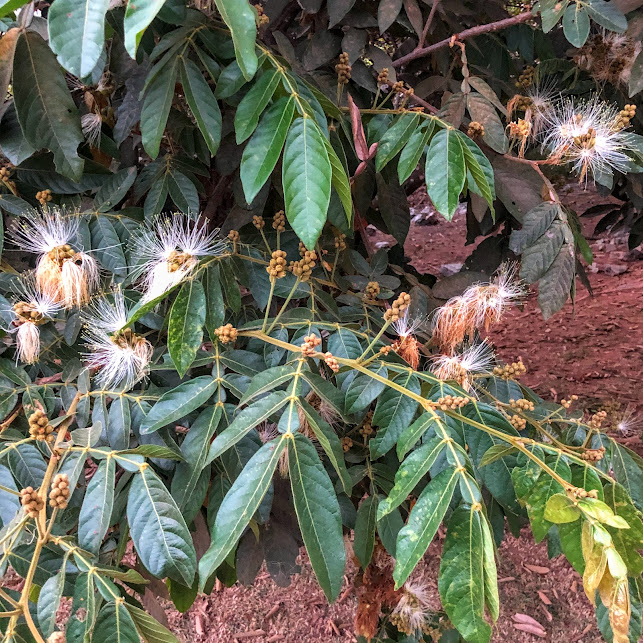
(408, 325)
(91, 125)
(586, 134)
(121, 356)
(461, 367)
(32, 308)
(169, 250)
(630, 422)
(69, 275)
(413, 609)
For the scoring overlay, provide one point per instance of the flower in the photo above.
(587, 134)
(91, 125)
(407, 347)
(475, 359)
(121, 355)
(410, 614)
(70, 276)
(32, 308)
(170, 250)
(630, 422)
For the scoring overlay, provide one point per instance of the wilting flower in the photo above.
(170, 250)
(91, 125)
(121, 356)
(411, 613)
(588, 134)
(70, 276)
(407, 347)
(474, 360)
(33, 307)
(490, 301)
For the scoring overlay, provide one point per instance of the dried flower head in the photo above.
(407, 346)
(91, 125)
(589, 135)
(121, 356)
(474, 360)
(170, 249)
(70, 276)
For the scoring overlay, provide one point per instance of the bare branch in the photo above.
(421, 52)
(427, 25)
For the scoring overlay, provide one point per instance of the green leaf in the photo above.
(364, 389)
(119, 423)
(340, 181)
(497, 451)
(534, 225)
(394, 207)
(27, 465)
(215, 305)
(114, 625)
(195, 449)
(178, 402)
(114, 189)
(461, 581)
(240, 19)
(387, 12)
(327, 438)
(482, 111)
(47, 113)
(393, 414)
(158, 530)
(156, 108)
(607, 14)
(425, 518)
(364, 538)
(8, 6)
(445, 172)
(576, 24)
(138, 15)
(480, 169)
(561, 509)
(253, 103)
(554, 287)
(411, 471)
(413, 433)
(264, 148)
(636, 76)
(628, 471)
(202, 103)
(96, 510)
(537, 258)
(108, 246)
(413, 150)
(83, 609)
(49, 601)
(318, 514)
(268, 380)
(245, 421)
(148, 627)
(185, 327)
(77, 33)
(490, 571)
(239, 505)
(550, 13)
(395, 138)
(306, 177)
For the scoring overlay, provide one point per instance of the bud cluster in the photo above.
(226, 334)
(567, 403)
(343, 69)
(526, 79)
(596, 421)
(310, 344)
(396, 311)
(508, 371)
(59, 494)
(258, 222)
(625, 116)
(346, 443)
(331, 362)
(303, 269)
(340, 241)
(279, 221)
(382, 77)
(518, 423)
(451, 403)
(372, 289)
(31, 501)
(475, 130)
(39, 427)
(234, 236)
(277, 266)
(521, 404)
(43, 196)
(593, 455)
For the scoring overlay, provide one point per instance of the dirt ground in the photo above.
(593, 349)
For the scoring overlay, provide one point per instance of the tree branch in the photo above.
(429, 20)
(421, 52)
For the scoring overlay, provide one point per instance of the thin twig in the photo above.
(427, 25)
(421, 52)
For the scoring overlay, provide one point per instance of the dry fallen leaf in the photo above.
(543, 597)
(532, 630)
(526, 623)
(537, 569)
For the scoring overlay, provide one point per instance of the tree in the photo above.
(165, 383)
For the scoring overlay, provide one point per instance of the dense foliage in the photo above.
(219, 399)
